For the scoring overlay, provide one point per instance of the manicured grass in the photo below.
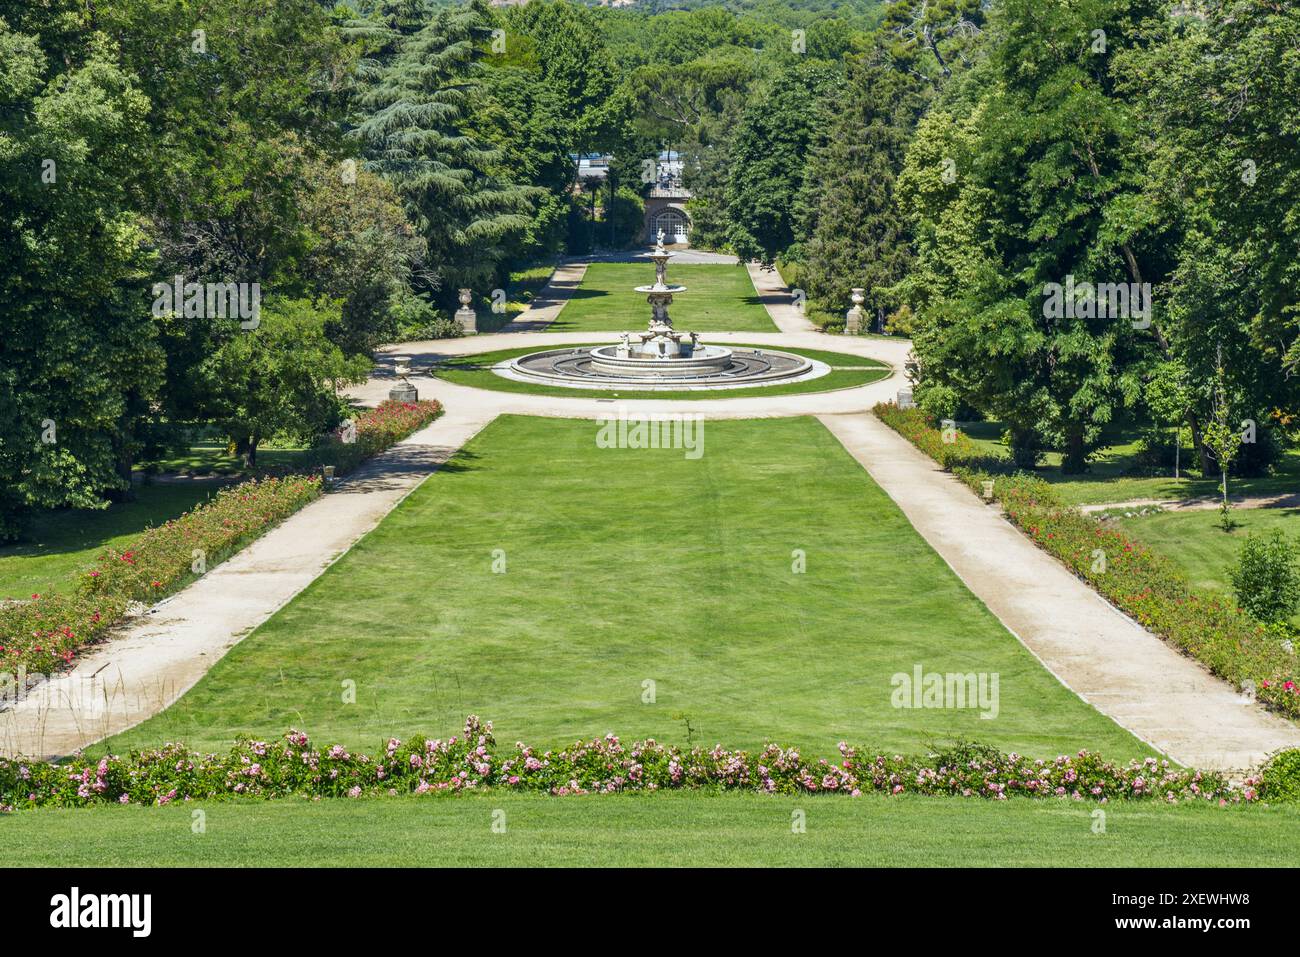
(1203, 550)
(60, 543)
(847, 372)
(707, 830)
(521, 289)
(1109, 477)
(214, 458)
(717, 299)
(625, 566)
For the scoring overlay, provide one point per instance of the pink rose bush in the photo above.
(1145, 585)
(472, 761)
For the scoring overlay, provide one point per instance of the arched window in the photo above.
(674, 224)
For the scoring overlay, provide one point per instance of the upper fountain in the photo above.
(660, 340)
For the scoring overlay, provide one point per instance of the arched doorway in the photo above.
(674, 223)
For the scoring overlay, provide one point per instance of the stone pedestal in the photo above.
(465, 314)
(853, 318)
(404, 392)
(905, 400)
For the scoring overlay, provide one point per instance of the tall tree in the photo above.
(79, 362)
(415, 136)
(1035, 183)
(768, 157)
(854, 233)
(1220, 93)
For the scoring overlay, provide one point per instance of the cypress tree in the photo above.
(855, 233)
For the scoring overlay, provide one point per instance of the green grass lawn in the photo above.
(1203, 550)
(651, 830)
(521, 289)
(717, 299)
(847, 372)
(1110, 478)
(214, 458)
(629, 565)
(62, 542)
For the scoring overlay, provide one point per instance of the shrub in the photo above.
(472, 761)
(45, 632)
(1279, 779)
(1266, 577)
(416, 319)
(376, 430)
(1140, 582)
(950, 448)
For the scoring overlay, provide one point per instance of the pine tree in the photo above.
(415, 136)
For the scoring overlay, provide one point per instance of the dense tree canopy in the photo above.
(958, 159)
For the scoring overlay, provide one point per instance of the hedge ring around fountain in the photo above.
(660, 357)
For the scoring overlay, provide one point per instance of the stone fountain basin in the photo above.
(706, 360)
(712, 367)
(672, 289)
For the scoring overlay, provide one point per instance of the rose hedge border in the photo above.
(472, 761)
(44, 634)
(1145, 585)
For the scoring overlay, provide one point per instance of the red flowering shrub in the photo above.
(1144, 584)
(472, 761)
(44, 633)
(918, 427)
(376, 429)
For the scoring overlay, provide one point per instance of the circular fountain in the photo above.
(660, 357)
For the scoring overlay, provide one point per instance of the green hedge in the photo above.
(1144, 584)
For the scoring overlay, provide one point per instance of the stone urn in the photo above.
(465, 314)
(853, 318)
(403, 391)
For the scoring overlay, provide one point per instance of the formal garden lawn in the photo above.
(667, 829)
(718, 298)
(1200, 547)
(628, 566)
(847, 372)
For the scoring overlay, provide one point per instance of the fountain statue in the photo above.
(660, 341)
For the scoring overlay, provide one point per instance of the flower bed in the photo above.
(43, 634)
(1144, 584)
(918, 428)
(376, 430)
(473, 761)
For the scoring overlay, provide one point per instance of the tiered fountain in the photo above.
(660, 357)
(668, 352)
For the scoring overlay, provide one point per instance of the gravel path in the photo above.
(776, 298)
(554, 296)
